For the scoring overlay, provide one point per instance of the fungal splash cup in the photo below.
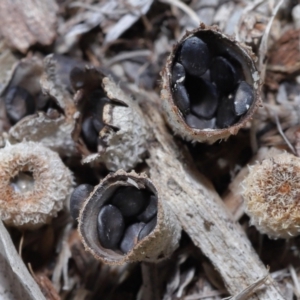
(124, 220)
(210, 86)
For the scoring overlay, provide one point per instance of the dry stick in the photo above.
(193, 16)
(263, 47)
(250, 7)
(201, 212)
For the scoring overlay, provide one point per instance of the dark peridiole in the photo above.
(77, 78)
(225, 114)
(131, 237)
(91, 110)
(243, 98)
(195, 56)
(90, 133)
(181, 98)
(150, 211)
(196, 122)
(130, 201)
(223, 74)
(204, 104)
(77, 198)
(97, 123)
(110, 226)
(178, 73)
(147, 229)
(18, 103)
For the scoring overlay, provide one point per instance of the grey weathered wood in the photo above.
(15, 280)
(201, 212)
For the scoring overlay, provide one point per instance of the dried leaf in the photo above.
(137, 9)
(284, 58)
(24, 23)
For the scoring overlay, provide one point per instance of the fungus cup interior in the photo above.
(212, 81)
(88, 219)
(23, 181)
(23, 96)
(90, 105)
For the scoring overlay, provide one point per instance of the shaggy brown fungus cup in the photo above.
(210, 86)
(125, 220)
(271, 194)
(34, 184)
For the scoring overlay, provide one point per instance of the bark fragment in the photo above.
(201, 212)
(24, 23)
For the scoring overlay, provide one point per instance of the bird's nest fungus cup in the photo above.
(34, 185)
(124, 220)
(210, 86)
(271, 196)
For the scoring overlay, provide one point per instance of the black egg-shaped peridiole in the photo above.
(130, 200)
(225, 114)
(130, 237)
(97, 110)
(77, 78)
(200, 123)
(204, 97)
(96, 102)
(110, 226)
(195, 56)
(147, 229)
(100, 105)
(18, 103)
(98, 124)
(223, 73)
(181, 98)
(150, 211)
(77, 198)
(178, 73)
(243, 98)
(89, 133)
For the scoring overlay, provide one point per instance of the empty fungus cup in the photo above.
(34, 185)
(271, 195)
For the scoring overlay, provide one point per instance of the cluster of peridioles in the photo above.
(208, 85)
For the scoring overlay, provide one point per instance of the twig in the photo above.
(185, 8)
(126, 56)
(247, 9)
(21, 243)
(295, 281)
(279, 128)
(246, 293)
(207, 295)
(263, 47)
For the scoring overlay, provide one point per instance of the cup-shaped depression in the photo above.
(124, 219)
(210, 86)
